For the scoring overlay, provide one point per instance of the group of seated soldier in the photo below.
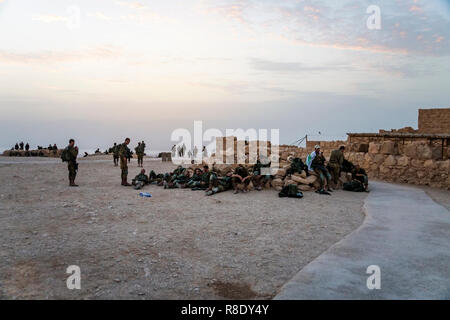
(214, 181)
(210, 181)
(329, 171)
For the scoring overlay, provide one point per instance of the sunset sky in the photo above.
(101, 70)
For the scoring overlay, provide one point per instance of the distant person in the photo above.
(27, 147)
(140, 154)
(21, 145)
(312, 155)
(70, 154)
(195, 152)
(55, 149)
(50, 148)
(115, 151)
(16, 147)
(123, 155)
(336, 162)
(174, 150)
(205, 152)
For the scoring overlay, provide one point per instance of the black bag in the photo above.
(290, 191)
(354, 185)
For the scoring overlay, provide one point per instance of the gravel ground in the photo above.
(178, 244)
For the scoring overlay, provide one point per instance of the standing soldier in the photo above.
(139, 154)
(336, 160)
(123, 153)
(115, 150)
(70, 154)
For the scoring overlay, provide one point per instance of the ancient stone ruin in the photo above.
(404, 155)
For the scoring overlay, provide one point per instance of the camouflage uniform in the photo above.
(335, 163)
(318, 165)
(115, 151)
(243, 172)
(139, 181)
(219, 184)
(123, 152)
(140, 154)
(72, 164)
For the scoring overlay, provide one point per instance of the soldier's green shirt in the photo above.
(257, 168)
(205, 176)
(196, 177)
(115, 150)
(141, 177)
(123, 150)
(72, 152)
(226, 182)
(337, 157)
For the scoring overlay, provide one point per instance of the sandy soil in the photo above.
(179, 244)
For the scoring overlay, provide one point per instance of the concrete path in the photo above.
(405, 233)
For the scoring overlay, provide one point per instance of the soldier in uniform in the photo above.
(318, 165)
(115, 150)
(361, 175)
(335, 163)
(72, 165)
(140, 180)
(138, 153)
(240, 175)
(123, 153)
(220, 184)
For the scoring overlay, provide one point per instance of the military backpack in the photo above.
(65, 155)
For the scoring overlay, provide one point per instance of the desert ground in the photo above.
(178, 244)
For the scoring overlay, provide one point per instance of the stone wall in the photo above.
(418, 162)
(434, 120)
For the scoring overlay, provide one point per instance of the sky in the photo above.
(102, 70)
